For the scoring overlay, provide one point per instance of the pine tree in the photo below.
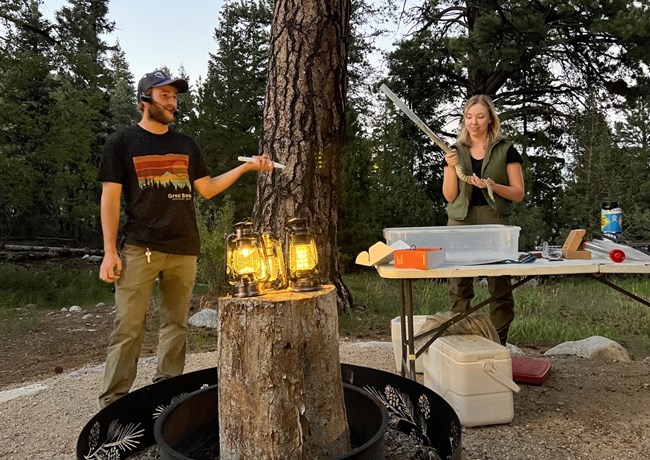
(26, 163)
(81, 117)
(630, 174)
(589, 164)
(122, 99)
(229, 104)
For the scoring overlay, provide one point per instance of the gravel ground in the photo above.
(585, 410)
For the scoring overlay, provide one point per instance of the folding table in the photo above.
(597, 268)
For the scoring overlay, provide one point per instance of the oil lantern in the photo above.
(275, 266)
(302, 256)
(245, 260)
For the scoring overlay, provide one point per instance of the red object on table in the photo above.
(616, 255)
(529, 370)
(419, 258)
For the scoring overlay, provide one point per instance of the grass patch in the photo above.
(558, 310)
(12, 321)
(51, 287)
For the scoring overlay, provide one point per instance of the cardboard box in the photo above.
(379, 253)
(419, 258)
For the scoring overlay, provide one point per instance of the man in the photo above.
(158, 170)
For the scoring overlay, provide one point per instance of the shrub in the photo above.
(214, 225)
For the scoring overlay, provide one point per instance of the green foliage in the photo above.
(631, 173)
(215, 223)
(123, 107)
(229, 104)
(597, 172)
(379, 190)
(52, 287)
(56, 120)
(65, 89)
(25, 106)
(186, 106)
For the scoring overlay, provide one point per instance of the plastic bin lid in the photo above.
(470, 348)
(452, 229)
(529, 370)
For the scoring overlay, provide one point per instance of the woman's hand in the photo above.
(450, 178)
(452, 158)
(481, 183)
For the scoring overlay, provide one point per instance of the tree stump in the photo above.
(280, 390)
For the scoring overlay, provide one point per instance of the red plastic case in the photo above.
(529, 370)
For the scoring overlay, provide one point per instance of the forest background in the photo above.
(570, 80)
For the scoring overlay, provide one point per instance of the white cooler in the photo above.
(396, 336)
(474, 375)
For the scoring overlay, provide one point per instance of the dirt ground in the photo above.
(587, 409)
(50, 342)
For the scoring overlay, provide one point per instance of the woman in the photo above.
(492, 162)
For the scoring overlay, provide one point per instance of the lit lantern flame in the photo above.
(274, 262)
(302, 256)
(245, 261)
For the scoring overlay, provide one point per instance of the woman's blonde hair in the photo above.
(494, 129)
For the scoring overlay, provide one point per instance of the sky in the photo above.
(166, 33)
(158, 33)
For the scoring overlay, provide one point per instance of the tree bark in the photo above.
(304, 125)
(280, 390)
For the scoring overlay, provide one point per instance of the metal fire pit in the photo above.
(414, 409)
(127, 426)
(189, 428)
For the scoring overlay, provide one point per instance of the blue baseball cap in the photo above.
(160, 78)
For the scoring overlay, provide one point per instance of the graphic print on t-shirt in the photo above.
(163, 171)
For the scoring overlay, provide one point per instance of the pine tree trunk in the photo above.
(304, 125)
(280, 390)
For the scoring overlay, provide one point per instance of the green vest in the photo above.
(494, 167)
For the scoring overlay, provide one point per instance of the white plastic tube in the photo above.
(607, 246)
(615, 255)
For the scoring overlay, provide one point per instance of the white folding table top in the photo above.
(539, 267)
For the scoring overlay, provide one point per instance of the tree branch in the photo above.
(45, 33)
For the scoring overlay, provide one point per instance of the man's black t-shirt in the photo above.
(157, 173)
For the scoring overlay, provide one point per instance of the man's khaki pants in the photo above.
(176, 275)
(461, 290)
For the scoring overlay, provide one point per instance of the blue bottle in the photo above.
(611, 219)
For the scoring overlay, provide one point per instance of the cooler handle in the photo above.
(500, 376)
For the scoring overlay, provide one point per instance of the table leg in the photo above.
(411, 339)
(438, 331)
(402, 324)
(406, 327)
(599, 277)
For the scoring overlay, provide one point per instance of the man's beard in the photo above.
(160, 114)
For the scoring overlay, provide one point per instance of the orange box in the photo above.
(419, 258)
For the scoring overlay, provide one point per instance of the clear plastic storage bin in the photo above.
(463, 244)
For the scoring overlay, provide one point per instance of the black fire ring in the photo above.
(188, 429)
(126, 426)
